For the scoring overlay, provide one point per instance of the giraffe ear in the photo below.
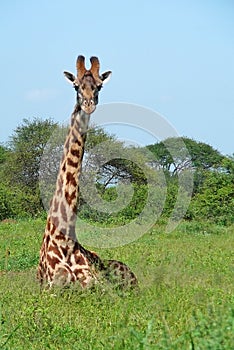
(69, 77)
(105, 77)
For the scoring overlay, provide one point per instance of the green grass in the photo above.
(185, 300)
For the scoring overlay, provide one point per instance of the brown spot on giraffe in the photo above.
(80, 260)
(47, 240)
(76, 152)
(72, 163)
(78, 271)
(59, 236)
(71, 179)
(55, 221)
(53, 229)
(53, 260)
(70, 197)
(63, 211)
(64, 251)
(64, 167)
(48, 226)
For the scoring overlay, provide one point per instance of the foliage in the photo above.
(19, 170)
(228, 165)
(113, 162)
(203, 156)
(176, 154)
(29, 166)
(16, 203)
(215, 201)
(97, 135)
(185, 299)
(27, 146)
(3, 154)
(120, 205)
(213, 178)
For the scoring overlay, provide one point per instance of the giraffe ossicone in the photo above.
(63, 259)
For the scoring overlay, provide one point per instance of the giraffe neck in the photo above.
(63, 207)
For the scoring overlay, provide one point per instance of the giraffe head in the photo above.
(88, 83)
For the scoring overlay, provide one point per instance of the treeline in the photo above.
(118, 181)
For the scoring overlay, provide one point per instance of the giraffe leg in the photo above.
(63, 275)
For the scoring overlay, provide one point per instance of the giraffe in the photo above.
(62, 258)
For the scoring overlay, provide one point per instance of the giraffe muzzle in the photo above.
(88, 106)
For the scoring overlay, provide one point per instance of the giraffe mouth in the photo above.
(88, 109)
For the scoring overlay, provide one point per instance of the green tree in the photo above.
(19, 168)
(27, 145)
(215, 200)
(97, 135)
(3, 153)
(117, 163)
(213, 177)
(174, 155)
(177, 154)
(14, 202)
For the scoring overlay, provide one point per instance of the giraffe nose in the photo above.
(88, 105)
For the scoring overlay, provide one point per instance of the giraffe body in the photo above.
(120, 274)
(62, 259)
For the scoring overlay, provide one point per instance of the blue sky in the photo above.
(175, 57)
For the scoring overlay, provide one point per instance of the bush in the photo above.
(16, 203)
(215, 201)
(142, 199)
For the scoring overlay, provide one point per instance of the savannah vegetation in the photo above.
(186, 295)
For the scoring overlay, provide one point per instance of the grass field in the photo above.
(185, 299)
